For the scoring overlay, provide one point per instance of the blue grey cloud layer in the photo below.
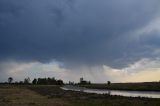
(89, 32)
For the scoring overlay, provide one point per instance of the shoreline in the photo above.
(54, 96)
(147, 86)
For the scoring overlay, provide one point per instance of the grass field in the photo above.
(54, 96)
(146, 86)
(21, 96)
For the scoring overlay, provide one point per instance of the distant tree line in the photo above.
(38, 81)
(47, 81)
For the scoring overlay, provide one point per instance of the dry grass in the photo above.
(85, 99)
(144, 86)
(54, 96)
(14, 96)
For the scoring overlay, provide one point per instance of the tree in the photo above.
(10, 79)
(53, 81)
(47, 81)
(27, 80)
(59, 82)
(34, 81)
(21, 82)
(89, 82)
(108, 82)
(42, 81)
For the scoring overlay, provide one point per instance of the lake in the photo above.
(149, 94)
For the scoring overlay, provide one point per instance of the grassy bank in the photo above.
(54, 96)
(84, 99)
(146, 86)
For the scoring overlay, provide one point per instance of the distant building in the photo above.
(84, 82)
(81, 79)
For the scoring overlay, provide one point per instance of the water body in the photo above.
(148, 94)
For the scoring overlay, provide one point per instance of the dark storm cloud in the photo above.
(75, 31)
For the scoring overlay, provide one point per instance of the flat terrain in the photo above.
(54, 96)
(146, 86)
(20, 96)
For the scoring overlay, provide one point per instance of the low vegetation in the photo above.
(146, 86)
(50, 95)
(84, 99)
(47, 92)
(21, 96)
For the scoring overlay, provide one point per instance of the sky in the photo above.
(98, 40)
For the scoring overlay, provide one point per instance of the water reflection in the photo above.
(150, 94)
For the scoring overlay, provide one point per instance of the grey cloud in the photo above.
(75, 32)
